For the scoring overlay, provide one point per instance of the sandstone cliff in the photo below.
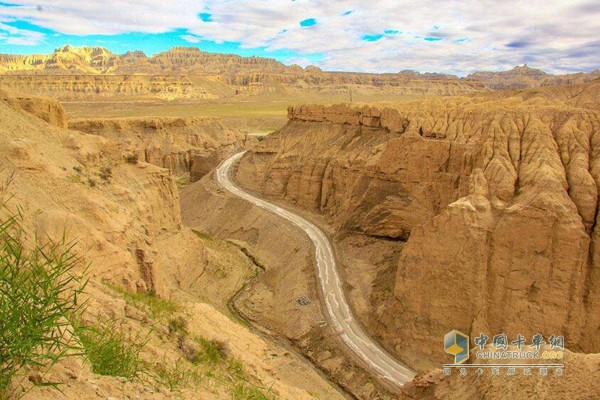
(492, 198)
(188, 146)
(189, 73)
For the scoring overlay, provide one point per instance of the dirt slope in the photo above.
(126, 220)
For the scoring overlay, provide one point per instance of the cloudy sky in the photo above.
(369, 36)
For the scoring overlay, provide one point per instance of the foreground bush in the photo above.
(39, 292)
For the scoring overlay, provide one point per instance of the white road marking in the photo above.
(335, 300)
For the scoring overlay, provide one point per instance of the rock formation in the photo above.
(495, 196)
(189, 73)
(188, 146)
(47, 109)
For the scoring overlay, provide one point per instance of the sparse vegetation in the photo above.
(110, 351)
(202, 235)
(39, 295)
(175, 376)
(249, 392)
(149, 302)
(132, 159)
(211, 352)
(105, 173)
(78, 168)
(178, 325)
(92, 182)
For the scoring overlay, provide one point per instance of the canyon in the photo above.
(452, 203)
(487, 206)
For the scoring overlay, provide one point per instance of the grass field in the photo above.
(263, 113)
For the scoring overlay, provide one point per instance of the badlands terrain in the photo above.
(450, 203)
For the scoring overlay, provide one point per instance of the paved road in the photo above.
(335, 300)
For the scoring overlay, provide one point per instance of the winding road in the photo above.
(339, 312)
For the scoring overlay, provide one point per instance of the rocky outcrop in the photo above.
(495, 197)
(47, 109)
(188, 146)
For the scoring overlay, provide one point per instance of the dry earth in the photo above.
(126, 220)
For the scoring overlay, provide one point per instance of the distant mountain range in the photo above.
(526, 77)
(242, 71)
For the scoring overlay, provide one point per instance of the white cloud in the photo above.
(20, 37)
(191, 38)
(558, 36)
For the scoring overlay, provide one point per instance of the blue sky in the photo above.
(379, 36)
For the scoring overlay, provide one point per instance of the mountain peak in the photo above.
(527, 70)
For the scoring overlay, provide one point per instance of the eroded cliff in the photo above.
(492, 200)
(188, 146)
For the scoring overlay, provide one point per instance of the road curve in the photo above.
(339, 312)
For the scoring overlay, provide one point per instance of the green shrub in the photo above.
(211, 351)
(39, 292)
(110, 351)
(178, 325)
(174, 377)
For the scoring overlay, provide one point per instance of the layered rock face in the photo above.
(188, 73)
(102, 86)
(188, 146)
(495, 197)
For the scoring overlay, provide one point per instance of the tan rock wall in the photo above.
(169, 142)
(496, 197)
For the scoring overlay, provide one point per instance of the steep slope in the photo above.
(490, 199)
(126, 221)
(189, 146)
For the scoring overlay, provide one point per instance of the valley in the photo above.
(318, 233)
